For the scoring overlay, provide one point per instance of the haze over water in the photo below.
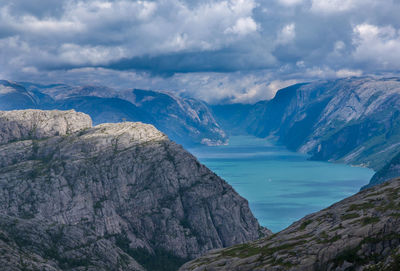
(281, 186)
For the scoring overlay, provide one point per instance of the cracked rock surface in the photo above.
(126, 182)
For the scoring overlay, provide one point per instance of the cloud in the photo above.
(290, 2)
(378, 45)
(348, 73)
(243, 26)
(133, 28)
(237, 50)
(335, 6)
(287, 34)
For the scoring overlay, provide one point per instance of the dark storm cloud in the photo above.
(286, 39)
(227, 60)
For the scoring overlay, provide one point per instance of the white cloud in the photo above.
(290, 2)
(348, 73)
(287, 34)
(100, 31)
(243, 26)
(335, 6)
(379, 45)
(262, 42)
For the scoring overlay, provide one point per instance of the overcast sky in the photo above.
(219, 51)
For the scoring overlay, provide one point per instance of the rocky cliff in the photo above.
(354, 120)
(389, 171)
(126, 183)
(359, 233)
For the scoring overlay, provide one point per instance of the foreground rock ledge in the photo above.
(126, 183)
(359, 233)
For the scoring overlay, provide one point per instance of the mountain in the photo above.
(125, 188)
(29, 244)
(232, 117)
(359, 233)
(103, 110)
(353, 120)
(15, 96)
(182, 119)
(185, 120)
(389, 171)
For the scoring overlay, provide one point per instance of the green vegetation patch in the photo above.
(305, 224)
(362, 206)
(369, 220)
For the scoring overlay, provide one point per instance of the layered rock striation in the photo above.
(125, 182)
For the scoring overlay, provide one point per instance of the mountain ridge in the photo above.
(125, 182)
(186, 121)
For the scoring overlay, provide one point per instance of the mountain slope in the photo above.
(389, 171)
(103, 110)
(39, 245)
(354, 120)
(186, 121)
(359, 233)
(14, 96)
(126, 182)
(182, 119)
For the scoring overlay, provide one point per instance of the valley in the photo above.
(155, 206)
(281, 186)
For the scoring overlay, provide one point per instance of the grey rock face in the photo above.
(390, 171)
(359, 233)
(124, 181)
(38, 124)
(353, 120)
(39, 245)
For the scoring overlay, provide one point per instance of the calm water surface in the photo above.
(281, 186)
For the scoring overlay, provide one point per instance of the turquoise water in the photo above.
(281, 186)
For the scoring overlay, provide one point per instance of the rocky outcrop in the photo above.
(126, 182)
(186, 121)
(37, 124)
(359, 233)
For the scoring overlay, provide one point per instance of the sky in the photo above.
(218, 51)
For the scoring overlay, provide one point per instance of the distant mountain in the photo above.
(354, 120)
(15, 96)
(232, 117)
(103, 110)
(183, 120)
(116, 196)
(361, 232)
(186, 121)
(389, 171)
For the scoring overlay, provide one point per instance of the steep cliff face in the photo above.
(354, 120)
(389, 171)
(126, 182)
(359, 233)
